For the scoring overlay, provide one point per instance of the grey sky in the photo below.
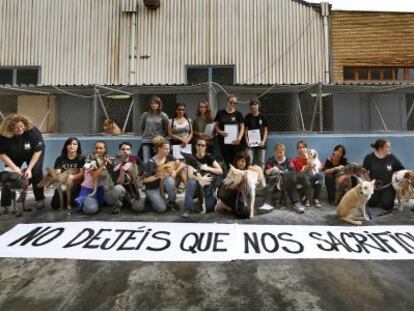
(372, 5)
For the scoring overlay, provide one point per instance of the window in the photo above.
(378, 73)
(217, 74)
(19, 75)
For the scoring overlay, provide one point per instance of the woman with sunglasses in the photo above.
(208, 170)
(203, 117)
(179, 127)
(229, 116)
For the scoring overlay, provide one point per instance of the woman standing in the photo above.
(179, 127)
(21, 142)
(229, 116)
(70, 158)
(381, 164)
(255, 120)
(153, 123)
(332, 164)
(203, 117)
(152, 179)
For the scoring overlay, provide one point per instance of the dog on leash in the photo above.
(63, 184)
(18, 186)
(343, 182)
(354, 200)
(246, 181)
(111, 128)
(313, 165)
(403, 183)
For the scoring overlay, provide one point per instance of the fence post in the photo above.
(94, 111)
(320, 102)
(212, 99)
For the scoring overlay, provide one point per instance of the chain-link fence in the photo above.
(315, 108)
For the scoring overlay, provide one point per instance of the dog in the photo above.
(62, 183)
(97, 168)
(166, 169)
(343, 182)
(133, 176)
(246, 181)
(111, 128)
(355, 199)
(313, 165)
(403, 183)
(17, 184)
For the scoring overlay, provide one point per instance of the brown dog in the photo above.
(111, 128)
(96, 166)
(62, 183)
(343, 181)
(166, 169)
(403, 183)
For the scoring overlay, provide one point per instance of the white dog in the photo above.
(251, 177)
(355, 199)
(313, 165)
(403, 183)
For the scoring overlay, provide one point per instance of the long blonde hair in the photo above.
(209, 117)
(8, 124)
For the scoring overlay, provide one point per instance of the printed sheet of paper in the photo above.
(254, 137)
(209, 129)
(177, 149)
(232, 131)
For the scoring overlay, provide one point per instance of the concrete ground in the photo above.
(52, 284)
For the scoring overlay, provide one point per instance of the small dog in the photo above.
(111, 128)
(313, 165)
(343, 182)
(355, 199)
(403, 183)
(247, 182)
(62, 183)
(133, 178)
(97, 168)
(165, 170)
(18, 186)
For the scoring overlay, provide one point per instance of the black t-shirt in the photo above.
(225, 118)
(63, 163)
(21, 148)
(328, 163)
(151, 169)
(256, 123)
(382, 169)
(207, 159)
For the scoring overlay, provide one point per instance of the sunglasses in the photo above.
(180, 109)
(201, 145)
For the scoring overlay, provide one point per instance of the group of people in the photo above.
(21, 142)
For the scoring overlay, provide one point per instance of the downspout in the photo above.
(133, 49)
(325, 15)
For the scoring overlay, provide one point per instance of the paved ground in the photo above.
(49, 284)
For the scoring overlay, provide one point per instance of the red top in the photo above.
(298, 163)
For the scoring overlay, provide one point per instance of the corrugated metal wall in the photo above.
(88, 41)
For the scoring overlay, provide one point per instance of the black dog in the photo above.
(17, 184)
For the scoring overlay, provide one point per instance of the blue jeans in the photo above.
(154, 195)
(316, 182)
(84, 192)
(208, 193)
(257, 156)
(146, 153)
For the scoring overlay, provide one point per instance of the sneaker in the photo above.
(186, 214)
(307, 204)
(116, 209)
(3, 210)
(298, 207)
(266, 207)
(317, 203)
(40, 204)
(173, 206)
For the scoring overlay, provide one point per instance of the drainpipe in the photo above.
(325, 15)
(133, 49)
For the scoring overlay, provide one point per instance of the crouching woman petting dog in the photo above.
(70, 158)
(21, 142)
(91, 196)
(156, 179)
(209, 169)
(381, 164)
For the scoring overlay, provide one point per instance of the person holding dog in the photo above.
(255, 120)
(332, 165)
(381, 164)
(126, 191)
(21, 142)
(229, 116)
(209, 168)
(154, 122)
(299, 165)
(84, 202)
(70, 158)
(153, 180)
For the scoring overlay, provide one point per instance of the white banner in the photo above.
(204, 242)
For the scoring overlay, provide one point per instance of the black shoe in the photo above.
(173, 206)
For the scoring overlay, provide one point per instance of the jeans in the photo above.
(191, 189)
(154, 195)
(316, 181)
(90, 208)
(257, 156)
(146, 153)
